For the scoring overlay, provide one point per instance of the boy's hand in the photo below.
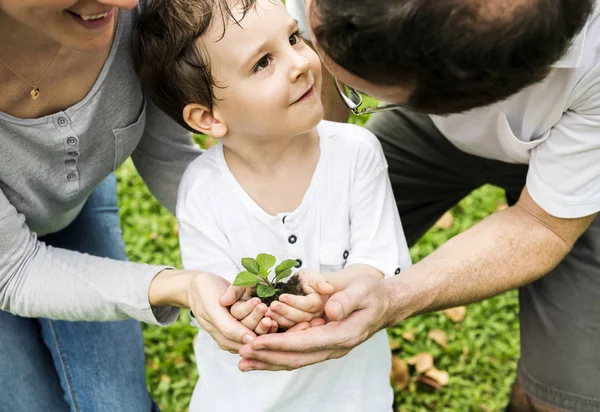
(291, 310)
(251, 313)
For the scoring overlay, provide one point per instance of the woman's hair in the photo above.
(173, 67)
(454, 54)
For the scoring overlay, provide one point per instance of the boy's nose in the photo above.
(300, 66)
(122, 4)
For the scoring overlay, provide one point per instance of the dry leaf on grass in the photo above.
(501, 207)
(400, 375)
(395, 344)
(439, 337)
(456, 314)
(446, 221)
(409, 335)
(441, 377)
(422, 361)
(176, 229)
(429, 382)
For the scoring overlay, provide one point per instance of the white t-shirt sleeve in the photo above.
(203, 244)
(297, 9)
(377, 238)
(564, 170)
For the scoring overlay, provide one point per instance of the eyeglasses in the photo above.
(359, 103)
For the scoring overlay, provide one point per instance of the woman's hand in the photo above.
(201, 292)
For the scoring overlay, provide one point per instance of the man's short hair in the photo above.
(454, 55)
(173, 68)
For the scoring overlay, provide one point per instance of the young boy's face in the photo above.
(268, 80)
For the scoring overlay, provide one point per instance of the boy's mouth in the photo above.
(306, 95)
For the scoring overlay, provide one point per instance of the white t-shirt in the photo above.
(348, 216)
(554, 126)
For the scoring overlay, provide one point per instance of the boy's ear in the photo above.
(201, 119)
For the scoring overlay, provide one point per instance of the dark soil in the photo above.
(293, 286)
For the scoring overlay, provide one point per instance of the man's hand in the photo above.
(356, 313)
(291, 310)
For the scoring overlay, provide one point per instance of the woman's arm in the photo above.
(37, 280)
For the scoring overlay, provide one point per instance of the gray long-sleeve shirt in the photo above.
(48, 168)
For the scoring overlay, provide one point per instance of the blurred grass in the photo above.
(482, 349)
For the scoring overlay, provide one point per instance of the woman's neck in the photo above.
(17, 38)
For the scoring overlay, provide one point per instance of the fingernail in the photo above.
(249, 370)
(247, 339)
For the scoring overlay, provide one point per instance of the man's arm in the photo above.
(504, 251)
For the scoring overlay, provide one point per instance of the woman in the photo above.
(71, 111)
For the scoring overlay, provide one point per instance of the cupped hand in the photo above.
(355, 314)
(251, 313)
(204, 299)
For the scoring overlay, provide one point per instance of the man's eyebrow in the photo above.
(260, 50)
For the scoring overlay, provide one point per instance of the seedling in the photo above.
(258, 271)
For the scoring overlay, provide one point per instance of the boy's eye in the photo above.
(294, 39)
(262, 64)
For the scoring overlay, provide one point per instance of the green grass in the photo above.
(482, 349)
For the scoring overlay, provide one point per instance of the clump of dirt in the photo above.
(293, 286)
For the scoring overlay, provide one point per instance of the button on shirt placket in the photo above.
(71, 146)
(292, 240)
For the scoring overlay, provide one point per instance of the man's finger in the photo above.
(232, 295)
(241, 308)
(298, 327)
(343, 303)
(287, 360)
(314, 339)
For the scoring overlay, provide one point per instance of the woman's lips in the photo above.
(93, 21)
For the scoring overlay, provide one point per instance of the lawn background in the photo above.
(482, 349)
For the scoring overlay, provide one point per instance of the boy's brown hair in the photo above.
(173, 68)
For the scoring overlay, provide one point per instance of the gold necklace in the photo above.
(35, 91)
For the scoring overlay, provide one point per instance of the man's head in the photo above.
(443, 56)
(225, 68)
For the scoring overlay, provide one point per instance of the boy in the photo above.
(280, 181)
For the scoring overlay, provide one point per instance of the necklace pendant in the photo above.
(35, 93)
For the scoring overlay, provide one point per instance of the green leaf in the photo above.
(283, 275)
(266, 261)
(245, 279)
(251, 266)
(285, 265)
(264, 291)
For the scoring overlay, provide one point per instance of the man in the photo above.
(521, 80)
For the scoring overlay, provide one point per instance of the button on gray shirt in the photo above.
(48, 168)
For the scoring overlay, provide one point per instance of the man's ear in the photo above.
(204, 121)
